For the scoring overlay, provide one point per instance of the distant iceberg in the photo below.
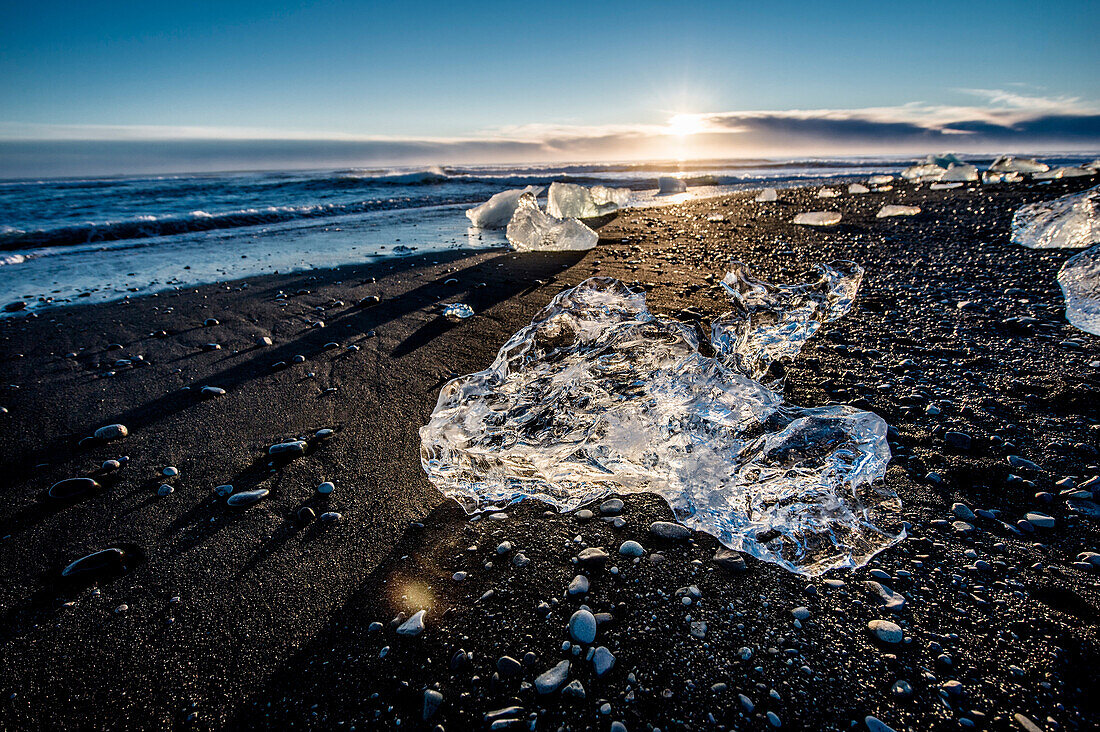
(531, 229)
(497, 211)
(668, 185)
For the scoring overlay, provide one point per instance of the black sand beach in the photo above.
(248, 618)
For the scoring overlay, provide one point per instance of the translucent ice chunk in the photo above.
(858, 188)
(880, 180)
(923, 173)
(1070, 172)
(533, 230)
(669, 184)
(767, 195)
(944, 186)
(457, 311)
(1070, 221)
(817, 218)
(772, 322)
(599, 395)
(497, 211)
(892, 209)
(1080, 282)
(828, 193)
(604, 196)
(1009, 164)
(988, 177)
(959, 172)
(568, 200)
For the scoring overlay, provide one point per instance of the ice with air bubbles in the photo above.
(1068, 222)
(599, 395)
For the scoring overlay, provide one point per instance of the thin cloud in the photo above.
(1014, 100)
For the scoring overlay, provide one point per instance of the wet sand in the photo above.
(249, 618)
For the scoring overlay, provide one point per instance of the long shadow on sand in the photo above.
(310, 342)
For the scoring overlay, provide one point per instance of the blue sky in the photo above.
(550, 72)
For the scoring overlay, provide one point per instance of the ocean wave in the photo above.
(146, 226)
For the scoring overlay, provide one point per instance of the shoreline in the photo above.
(274, 618)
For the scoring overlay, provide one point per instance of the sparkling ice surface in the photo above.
(598, 395)
(531, 229)
(1080, 281)
(1067, 222)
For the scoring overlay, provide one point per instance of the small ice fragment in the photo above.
(880, 180)
(497, 211)
(827, 192)
(1080, 282)
(944, 186)
(1066, 172)
(767, 195)
(817, 218)
(1010, 164)
(457, 311)
(1071, 222)
(858, 188)
(1012, 177)
(568, 200)
(892, 209)
(533, 230)
(957, 172)
(668, 184)
(988, 177)
(597, 395)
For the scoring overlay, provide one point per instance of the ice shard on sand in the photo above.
(1068, 222)
(531, 229)
(567, 200)
(498, 210)
(598, 395)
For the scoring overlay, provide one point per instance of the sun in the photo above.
(683, 125)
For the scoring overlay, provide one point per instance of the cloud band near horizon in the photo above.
(1017, 124)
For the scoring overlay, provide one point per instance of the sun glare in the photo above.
(685, 124)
